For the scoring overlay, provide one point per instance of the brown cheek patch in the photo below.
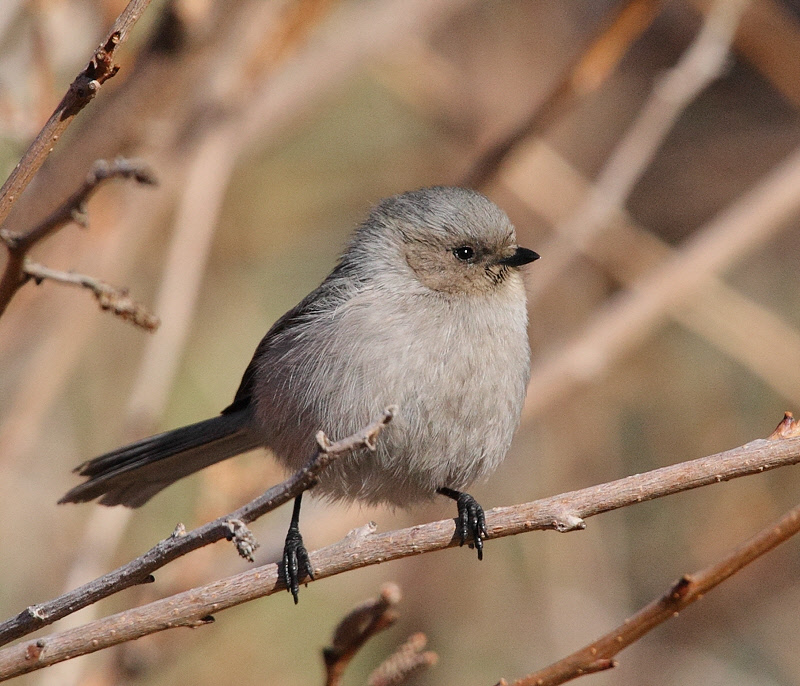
(439, 271)
(430, 267)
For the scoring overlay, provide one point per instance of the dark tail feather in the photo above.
(135, 473)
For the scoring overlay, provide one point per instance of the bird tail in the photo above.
(133, 474)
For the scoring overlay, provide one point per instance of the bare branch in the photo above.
(73, 209)
(599, 655)
(565, 512)
(406, 661)
(81, 91)
(361, 624)
(231, 527)
(698, 67)
(769, 38)
(726, 318)
(753, 219)
(356, 628)
(620, 28)
(116, 300)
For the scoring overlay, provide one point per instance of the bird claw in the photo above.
(471, 522)
(296, 565)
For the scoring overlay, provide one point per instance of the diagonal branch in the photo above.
(751, 221)
(81, 91)
(359, 625)
(697, 68)
(598, 656)
(594, 64)
(563, 513)
(73, 209)
(231, 527)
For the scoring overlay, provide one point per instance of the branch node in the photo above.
(788, 427)
(680, 589)
(566, 522)
(324, 443)
(599, 665)
(34, 650)
(36, 612)
(101, 66)
(83, 90)
(12, 240)
(179, 531)
(80, 216)
(361, 532)
(246, 544)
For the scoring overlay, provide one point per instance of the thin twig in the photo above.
(82, 90)
(356, 628)
(748, 332)
(562, 513)
(180, 543)
(752, 220)
(599, 654)
(409, 659)
(73, 209)
(593, 65)
(116, 300)
(698, 67)
(769, 39)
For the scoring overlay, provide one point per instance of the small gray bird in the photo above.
(425, 310)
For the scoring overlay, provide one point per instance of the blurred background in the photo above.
(647, 150)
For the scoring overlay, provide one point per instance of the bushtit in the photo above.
(425, 310)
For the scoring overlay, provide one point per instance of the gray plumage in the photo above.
(409, 318)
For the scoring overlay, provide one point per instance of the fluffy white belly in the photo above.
(459, 401)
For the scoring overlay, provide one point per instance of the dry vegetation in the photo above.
(656, 173)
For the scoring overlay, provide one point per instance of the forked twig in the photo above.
(231, 527)
(73, 209)
(564, 512)
(82, 90)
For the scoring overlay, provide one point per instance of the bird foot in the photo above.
(471, 521)
(296, 565)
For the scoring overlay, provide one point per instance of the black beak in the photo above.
(520, 257)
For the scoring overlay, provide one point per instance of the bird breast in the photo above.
(457, 368)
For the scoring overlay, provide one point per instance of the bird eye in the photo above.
(464, 253)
